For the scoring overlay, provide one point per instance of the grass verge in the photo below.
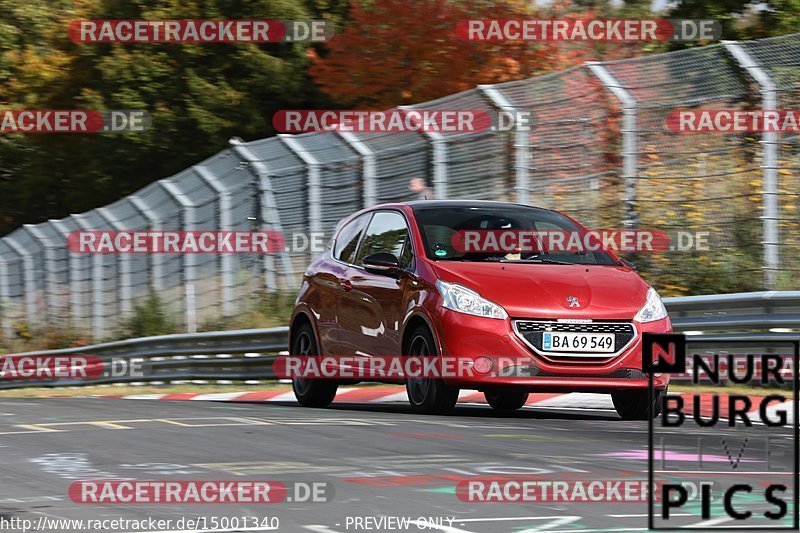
(727, 389)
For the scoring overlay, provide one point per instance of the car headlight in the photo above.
(653, 309)
(459, 298)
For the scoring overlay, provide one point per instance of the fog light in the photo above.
(482, 365)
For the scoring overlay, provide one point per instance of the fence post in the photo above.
(187, 216)
(5, 298)
(439, 165)
(313, 181)
(368, 167)
(522, 142)
(74, 290)
(769, 139)
(30, 284)
(630, 130)
(438, 158)
(49, 261)
(225, 223)
(126, 301)
(191, 309)
(156, 266)
(439, 146)
(98, 314)
(269, 210)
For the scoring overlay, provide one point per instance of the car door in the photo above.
(373, 309)
(335, 282)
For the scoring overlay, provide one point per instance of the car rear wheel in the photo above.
(428, 395)
(506, 400)
(635, 404)
(310, 392)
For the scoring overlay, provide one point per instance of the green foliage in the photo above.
(22, 330)
(149, 318)
(25, 338)
(278, 306)
(269, 310)
(719, 272)
(198, 95)
(741, 19)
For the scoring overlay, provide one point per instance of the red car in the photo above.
(395, 282)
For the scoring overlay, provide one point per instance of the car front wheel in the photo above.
(635, 404)
(428, 395)
(506, 400)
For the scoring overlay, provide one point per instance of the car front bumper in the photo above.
(516, 363)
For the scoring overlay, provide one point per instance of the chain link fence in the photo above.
(598, 149)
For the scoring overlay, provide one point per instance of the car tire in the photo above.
(428, 395)
(634, 405)
(506, 400)
(310, 392)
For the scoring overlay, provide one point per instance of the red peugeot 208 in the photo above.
(395, 282)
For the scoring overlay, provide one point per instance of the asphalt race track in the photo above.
(382, 461)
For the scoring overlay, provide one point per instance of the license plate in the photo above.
(578, 342)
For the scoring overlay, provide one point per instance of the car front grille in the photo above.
(533, 371)
(531, 331)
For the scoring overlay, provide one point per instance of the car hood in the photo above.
(545, 291)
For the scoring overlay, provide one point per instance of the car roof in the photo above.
(437, 204)
(466, 203)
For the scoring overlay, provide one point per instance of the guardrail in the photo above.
(238, 355)
(738, 312)
(248, 354)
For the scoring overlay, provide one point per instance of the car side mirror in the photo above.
(628, 264)
(382, 263)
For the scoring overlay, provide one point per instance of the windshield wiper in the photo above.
(538, 260)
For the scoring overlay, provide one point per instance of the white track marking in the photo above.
(580, 400)
(218, 396)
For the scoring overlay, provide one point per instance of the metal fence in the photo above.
(598, 149)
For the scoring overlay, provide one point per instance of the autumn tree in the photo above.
(395, 52)
(398, 52)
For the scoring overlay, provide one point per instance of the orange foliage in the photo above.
(399, 52)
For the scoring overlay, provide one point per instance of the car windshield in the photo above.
(506, 233)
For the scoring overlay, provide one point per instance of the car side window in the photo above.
(408, 255)
(344, 248)
(387, 232)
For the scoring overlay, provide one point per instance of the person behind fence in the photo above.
(420, 188)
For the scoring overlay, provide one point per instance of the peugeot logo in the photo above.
(573, 302)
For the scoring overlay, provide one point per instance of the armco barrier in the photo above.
(248, 354)
(738, 312)
(216, 355)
